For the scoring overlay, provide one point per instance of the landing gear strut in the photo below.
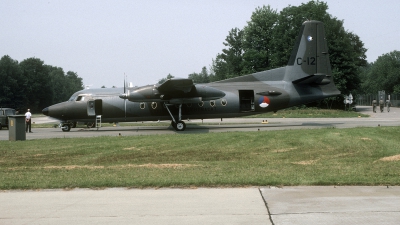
(177, 125)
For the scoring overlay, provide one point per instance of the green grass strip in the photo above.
(357, 156)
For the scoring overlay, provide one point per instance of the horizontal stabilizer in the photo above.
(319, 79)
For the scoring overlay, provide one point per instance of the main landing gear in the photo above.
(177, 125)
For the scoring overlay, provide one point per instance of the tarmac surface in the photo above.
(216, 125)
(252, 205)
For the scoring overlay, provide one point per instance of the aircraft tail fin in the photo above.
(309, 61)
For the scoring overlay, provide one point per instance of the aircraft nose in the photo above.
(45, 111)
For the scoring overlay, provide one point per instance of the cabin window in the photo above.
(142, 105)
(212, 103)
(223, 102)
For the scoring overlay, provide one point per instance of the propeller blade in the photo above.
(125, 93)
(124, 83)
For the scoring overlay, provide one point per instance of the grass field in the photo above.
(329, 156)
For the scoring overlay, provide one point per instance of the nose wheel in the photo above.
(65, 127)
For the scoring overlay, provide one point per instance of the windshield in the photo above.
(72, 98)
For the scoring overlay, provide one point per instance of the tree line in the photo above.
(383, 74)
(34, 85)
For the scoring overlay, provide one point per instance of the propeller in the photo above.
(125, 94)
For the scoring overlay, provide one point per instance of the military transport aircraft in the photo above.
(306, 78)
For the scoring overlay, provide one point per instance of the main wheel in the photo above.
(66, 127)
(180, 126)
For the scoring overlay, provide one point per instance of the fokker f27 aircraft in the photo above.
(306, 78)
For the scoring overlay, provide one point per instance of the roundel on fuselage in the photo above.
(264, 102)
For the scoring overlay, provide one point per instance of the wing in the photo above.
(174, 91)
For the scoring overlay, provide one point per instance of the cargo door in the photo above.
(95, 107)
(246, 100)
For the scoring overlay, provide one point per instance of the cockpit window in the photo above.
(80, 98)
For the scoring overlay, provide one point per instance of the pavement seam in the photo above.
(266, 205)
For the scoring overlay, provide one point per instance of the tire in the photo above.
(66, 127)
(180, 126)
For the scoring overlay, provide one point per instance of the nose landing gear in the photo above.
(66, 126)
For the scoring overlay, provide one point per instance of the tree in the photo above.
(257, 41)
(383, 74)
(32, 84)
(74, 82)
(12, 84)
(63, 85)
(169, 76)
(230, 62)
(38, 90)
(219, 69)
(269, 37)
(346, 50)
(289, 20)
(57, 83)
(200, 78)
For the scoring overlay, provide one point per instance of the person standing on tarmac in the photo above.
(28, 119)
(381, 104)
(388, 104)
(374, 105)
